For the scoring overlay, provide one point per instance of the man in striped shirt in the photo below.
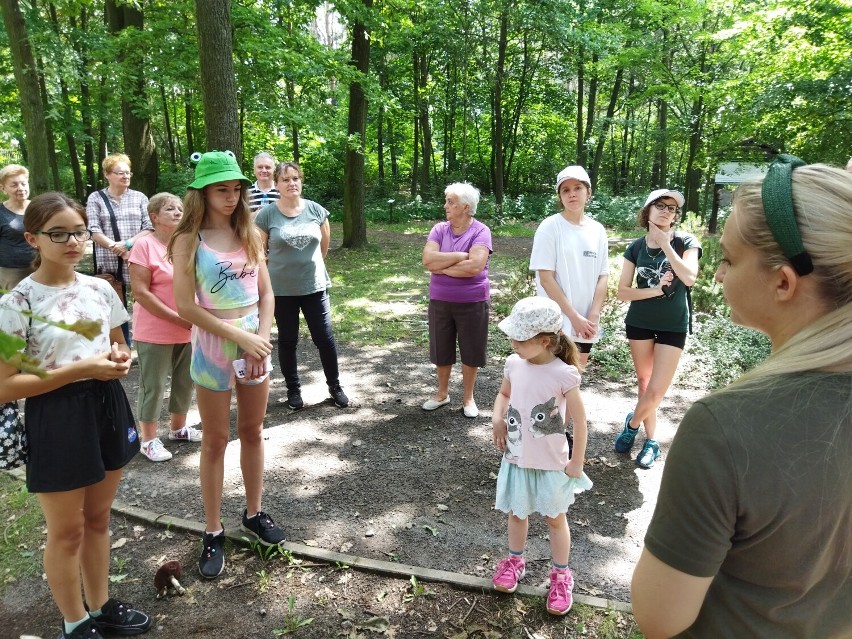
(263, 191)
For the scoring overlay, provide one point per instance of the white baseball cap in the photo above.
(576, 172)
(677, 196)
(531, 316)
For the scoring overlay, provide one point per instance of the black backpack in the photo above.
(679, 245)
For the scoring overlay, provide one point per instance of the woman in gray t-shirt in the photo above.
(296, 234)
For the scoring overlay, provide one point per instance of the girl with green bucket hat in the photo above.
(222, 287)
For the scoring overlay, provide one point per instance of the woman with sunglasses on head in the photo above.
(663, 264)
(751, 532)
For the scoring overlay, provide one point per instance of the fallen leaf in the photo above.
(431, 530)
(443, 507)
(311, 542)
(375, 624)
(118, 543)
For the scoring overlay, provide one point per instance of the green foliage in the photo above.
(292, 620)
(724, 351)
(23, 531)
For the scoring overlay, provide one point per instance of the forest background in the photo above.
(384, 102)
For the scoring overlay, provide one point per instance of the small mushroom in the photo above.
(166, 580)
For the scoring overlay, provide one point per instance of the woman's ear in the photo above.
(786, 282)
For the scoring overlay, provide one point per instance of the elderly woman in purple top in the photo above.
(456, 253)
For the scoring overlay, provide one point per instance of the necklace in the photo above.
(648, 251)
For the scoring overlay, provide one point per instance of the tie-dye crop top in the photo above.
(224, 280)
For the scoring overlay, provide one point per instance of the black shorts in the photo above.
(669, 338)
(584, 347)
(77, 433)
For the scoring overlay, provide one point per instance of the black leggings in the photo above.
(316, 308)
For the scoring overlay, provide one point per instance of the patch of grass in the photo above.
(23, 531)
(379, 295)
(292, 621)
(724, 351)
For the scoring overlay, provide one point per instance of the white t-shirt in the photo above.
(577, 253)
(88, 298)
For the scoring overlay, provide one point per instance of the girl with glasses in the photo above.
(79, 424)
(662, 264)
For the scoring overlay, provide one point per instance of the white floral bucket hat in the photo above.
(531, 316)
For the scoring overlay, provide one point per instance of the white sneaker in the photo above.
(186, 434)
(155, 451)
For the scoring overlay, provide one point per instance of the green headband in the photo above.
(777, 195)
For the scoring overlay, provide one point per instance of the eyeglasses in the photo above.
(61, 237)
(123, 173)
(670, 208)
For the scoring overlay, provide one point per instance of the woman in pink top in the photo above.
(161, 336)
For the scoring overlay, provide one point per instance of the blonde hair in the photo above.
(112, 159)
(194, 212)
(822, 202)
(160, 200)
(13, 170)
(564, 348)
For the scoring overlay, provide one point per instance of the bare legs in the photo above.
(78, 545)
(560, 536)
(655, 366)
(469, 374)
(215, 410)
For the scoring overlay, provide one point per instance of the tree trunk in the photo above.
(135, 123)
(85, 104)
(499, 162)
(32, 108)
(610, 113)
(168, 124)
(422, 69)
(580, 98)
(48, 128)
(218, 84)
(354, 220)
(187, 123)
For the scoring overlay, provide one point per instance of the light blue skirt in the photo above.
(522, 491)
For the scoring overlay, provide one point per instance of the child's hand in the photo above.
(499, 431)
(103, 368)
(254, 346)
(255, 367)
(574, 468)
(117, 355)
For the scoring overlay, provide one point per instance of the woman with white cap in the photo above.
(569, 257)
(664, 264)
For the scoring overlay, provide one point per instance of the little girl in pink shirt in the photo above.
(537, 403)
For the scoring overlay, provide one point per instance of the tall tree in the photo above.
(218, 86)
(32, 108)
(354, 220)
(135, 121)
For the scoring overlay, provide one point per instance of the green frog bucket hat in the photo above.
(216, 166)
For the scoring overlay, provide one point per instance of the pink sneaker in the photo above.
(559, 597)
(509, 572)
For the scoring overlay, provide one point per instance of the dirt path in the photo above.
(382, 479)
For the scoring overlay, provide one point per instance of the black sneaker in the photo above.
(294, 399)
(212, 560)
(262, 528)
(339, 397)
(121, 618)
(86, 630)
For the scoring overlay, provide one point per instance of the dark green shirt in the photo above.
(757, 493)
(658, 313)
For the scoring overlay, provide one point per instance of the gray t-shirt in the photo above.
(296, 266)
(757, 493)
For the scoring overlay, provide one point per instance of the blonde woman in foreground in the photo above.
(751, 533)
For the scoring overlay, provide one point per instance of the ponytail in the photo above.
(563, 348)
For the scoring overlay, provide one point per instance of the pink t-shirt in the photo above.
(536, 412)
(150, 253)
